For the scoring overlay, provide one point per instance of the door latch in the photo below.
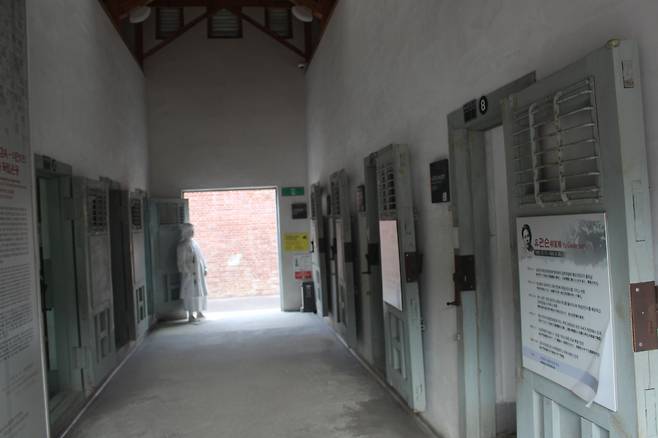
(464, 277)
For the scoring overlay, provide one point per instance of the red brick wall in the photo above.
(237, 232)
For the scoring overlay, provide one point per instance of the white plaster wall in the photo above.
(390, 71)
(226, 113)
(87, 98)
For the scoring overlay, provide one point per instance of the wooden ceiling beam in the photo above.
(180, 32)
(268, 32)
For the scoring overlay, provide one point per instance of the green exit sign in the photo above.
(292, 191)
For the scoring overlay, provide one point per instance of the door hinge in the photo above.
(464, 277)
(643, 316)
(413, 265)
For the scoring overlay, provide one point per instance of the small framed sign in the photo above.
(299, 210)
(440, 181)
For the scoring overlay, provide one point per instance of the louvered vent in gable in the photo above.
(556, 148)
(171, 214)
(97, 210)
(224, 24)
(168, 22)
(279, 21)
(136, 214)
(335, 199)
(386, 182)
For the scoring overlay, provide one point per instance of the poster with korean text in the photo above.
(564, 284)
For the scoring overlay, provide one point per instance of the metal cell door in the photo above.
(166, 217)
(345, 310)
(124, 321)
(405, 370)
(575, 145)
(61, 330)
(138, 251)
(94, 276)
(319, 251)
(371, 311)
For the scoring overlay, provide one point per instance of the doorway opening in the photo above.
(59, 301)
(237, 230)
(502, 287)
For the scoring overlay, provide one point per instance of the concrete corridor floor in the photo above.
(245, 374)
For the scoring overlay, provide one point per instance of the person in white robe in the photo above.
(192, 267)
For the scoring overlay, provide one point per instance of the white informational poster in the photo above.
(566, 301)
(22, 395)
(303, 266)
(390, 258)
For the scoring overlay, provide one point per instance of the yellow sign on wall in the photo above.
(295, 242)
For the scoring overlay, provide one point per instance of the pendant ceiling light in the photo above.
(139, 14)
(302, 13)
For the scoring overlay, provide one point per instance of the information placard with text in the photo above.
(566, 324)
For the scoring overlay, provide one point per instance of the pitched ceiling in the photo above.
(119, 11)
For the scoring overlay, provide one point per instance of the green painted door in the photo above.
(94, 276)
(371, 304)
(345, 310)
(575, 146)
(166, 217)
(138, 262)
(405, 370)
(61, 330)
(319, 251)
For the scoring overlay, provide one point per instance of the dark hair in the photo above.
(524, 228)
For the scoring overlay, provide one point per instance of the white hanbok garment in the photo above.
(192, 267)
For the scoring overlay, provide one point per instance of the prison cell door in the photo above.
(575, 145)
(371, 311)
(124, 320)
(483, 295)
(166, 217)
(405, 370)
(94, 276)
(319, 251)
(345, 311)
(61, 330)
(138, 263)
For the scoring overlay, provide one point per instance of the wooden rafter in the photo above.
(268, 32)
(321, 9)
(180, 32)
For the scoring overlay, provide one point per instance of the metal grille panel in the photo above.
(224, 24)
(136, 214)
(97, 210)
(556, 148)
(386, 183)
(171, 214)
